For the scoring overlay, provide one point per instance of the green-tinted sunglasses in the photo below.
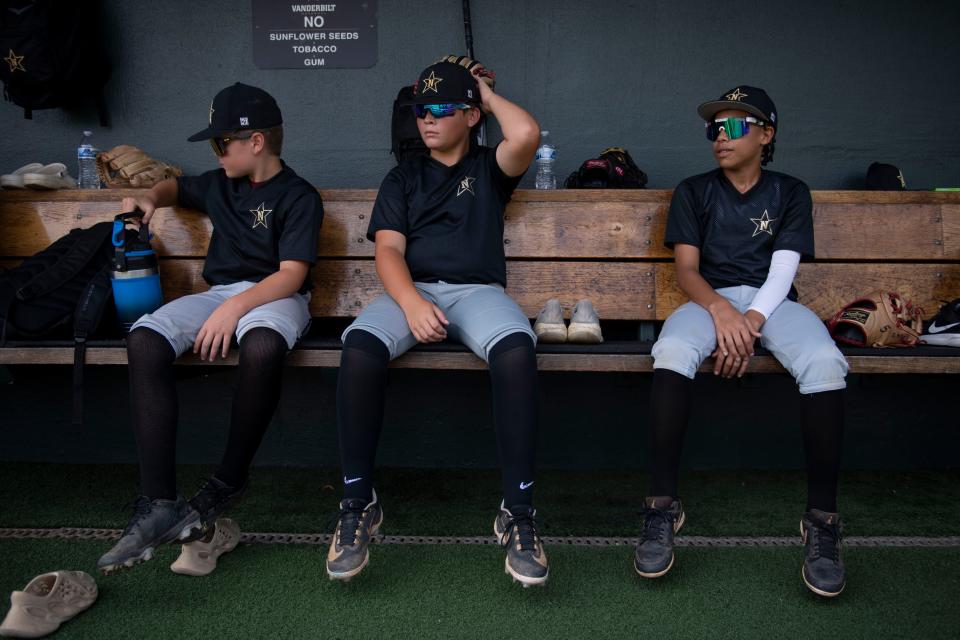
(733, 127)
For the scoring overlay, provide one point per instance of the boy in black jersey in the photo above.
(738, 233)
(438, 228)
(266, 222)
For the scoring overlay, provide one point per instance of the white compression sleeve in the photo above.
(783, 268)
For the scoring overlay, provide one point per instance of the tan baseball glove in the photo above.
(470, 64)
(127, 166)
(878, 319)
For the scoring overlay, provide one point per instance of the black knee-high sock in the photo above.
(361, 395)
(670, 397)
(260, 370)
(822, 423)
(513, 373)
(153, 408)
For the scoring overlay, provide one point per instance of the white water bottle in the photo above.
(87, 176)
(546, 157)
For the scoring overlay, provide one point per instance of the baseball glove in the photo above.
(127, 166)
(469, 64)
(878, 319)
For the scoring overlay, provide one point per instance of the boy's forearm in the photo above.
(164, 193)
(395, 275)
(277, 286)
(698, 289)
(515, 123)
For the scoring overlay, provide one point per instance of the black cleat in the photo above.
(213, 498)
(526, 560)
(358, 523)
(154, 522)
(822, 535)
(654, 555)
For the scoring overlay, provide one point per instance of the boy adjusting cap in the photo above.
(445, 82)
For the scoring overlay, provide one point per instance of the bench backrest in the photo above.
(602, 245)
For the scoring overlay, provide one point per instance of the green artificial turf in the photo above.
(280, 591)
(463, 502)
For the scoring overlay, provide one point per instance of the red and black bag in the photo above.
(614, 169)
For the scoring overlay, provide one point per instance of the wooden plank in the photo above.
(827, 287)
(858, 231)
(116, 195)
(555, 195)
(668, 295)
(598, 224)
(885, 197)
(608, 229)
(533, 229)
(895, 363)
(31, 226)
(342, 288)
(951, 231)
(536, 229)
(618, 290)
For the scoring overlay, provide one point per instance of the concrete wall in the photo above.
(854, 82)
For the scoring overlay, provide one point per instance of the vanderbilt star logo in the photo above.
(737, 95)
(260, 216)
(430, 83)
(466, 185)
(763, 224)
(15, 62)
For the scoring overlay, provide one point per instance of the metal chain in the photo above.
(80, 533)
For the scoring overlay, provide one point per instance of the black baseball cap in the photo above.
(753, 100)
(885, 177)
(445, 82)
(239, 107)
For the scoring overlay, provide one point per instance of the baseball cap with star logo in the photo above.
(240, 107)
(445, 82)
(753, 100)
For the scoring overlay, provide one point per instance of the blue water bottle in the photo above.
(135, 275)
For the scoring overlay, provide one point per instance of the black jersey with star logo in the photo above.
(452, 217)
(737, 233)
(254, 228)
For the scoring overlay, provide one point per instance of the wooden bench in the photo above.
(602, 245)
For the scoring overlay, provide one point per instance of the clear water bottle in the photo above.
(87, 176)
(546, 157)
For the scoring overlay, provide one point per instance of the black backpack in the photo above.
(614, 169)
(405, 140)
(50, 54)
(61, 291)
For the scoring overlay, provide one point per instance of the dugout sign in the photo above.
(293, 35)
